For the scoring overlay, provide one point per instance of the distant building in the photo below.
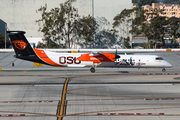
(169, 10)
(21, 14)
(136, 13)
(2, 27)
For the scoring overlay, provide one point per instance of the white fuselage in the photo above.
(140, 61)
(128, 61)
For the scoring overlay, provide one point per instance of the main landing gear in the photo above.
(163, 70)
(92, 69)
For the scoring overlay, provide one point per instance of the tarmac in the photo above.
(52, 93)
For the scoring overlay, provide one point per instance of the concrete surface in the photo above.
(45, 93)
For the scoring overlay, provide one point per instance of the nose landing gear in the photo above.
(163, 70)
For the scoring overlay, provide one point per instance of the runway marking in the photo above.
(51, 101)
(50, 85)
(107, 96)
(130, 114)
(95, 74)
(61, 110)
(11, 115)
(32, 75)
(27, 113)
(122, 104)
(103, 84)
(160, 74)
(35, 101)
(95, 112)
(162, 99)
(145, 104)
(116, 85)
(86, 88)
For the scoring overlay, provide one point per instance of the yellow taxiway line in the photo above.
(61, 110)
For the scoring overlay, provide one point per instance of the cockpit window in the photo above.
(159, 58)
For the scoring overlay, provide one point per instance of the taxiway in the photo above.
(48, 93)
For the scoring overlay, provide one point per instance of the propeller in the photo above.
(116, 56)
(131, 60)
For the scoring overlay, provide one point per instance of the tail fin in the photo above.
(24, 50)
(20, 43)
(22, 47)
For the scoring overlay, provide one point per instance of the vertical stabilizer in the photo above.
(22, 47)
(20, 43)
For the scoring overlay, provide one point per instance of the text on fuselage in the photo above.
(68, 60)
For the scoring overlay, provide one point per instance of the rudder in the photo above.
(20, 43)
(22, 47)
(24, 50)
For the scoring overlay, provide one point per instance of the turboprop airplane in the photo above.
(24, 51)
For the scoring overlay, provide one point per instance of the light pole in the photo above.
(5, 35)
(93, 18)
(93, 8)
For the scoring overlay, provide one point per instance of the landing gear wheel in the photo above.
(92, 70)
(163, 70)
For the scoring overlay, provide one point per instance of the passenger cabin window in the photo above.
(159, 58)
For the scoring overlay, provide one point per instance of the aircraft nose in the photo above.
(171, 65)
(168, 64)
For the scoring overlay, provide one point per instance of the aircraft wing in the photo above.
(95, 53)
(97, 57)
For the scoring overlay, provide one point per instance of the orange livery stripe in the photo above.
(103, 57)
(42, 55)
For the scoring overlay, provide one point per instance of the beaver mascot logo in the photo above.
(19, 44)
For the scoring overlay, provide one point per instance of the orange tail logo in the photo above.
(19, 44)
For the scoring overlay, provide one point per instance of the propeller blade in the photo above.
(116, 55)
(116, 52)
